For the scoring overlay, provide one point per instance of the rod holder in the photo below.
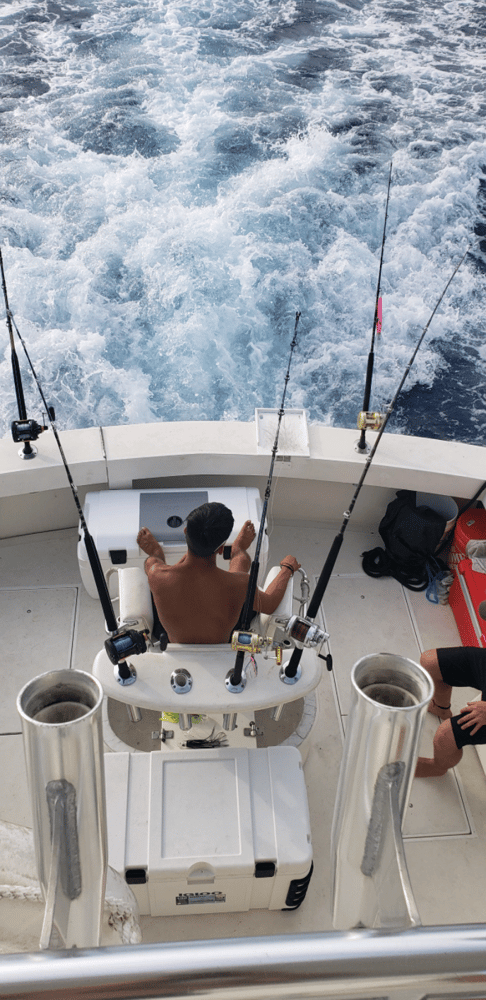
(61, 715)
(292, 678)
(27, 452)
(134, 713)
(235, 688)
(185, 722)
(276, 712)
(124, 673)
(229, 721)
(390, 695)
(181, 681)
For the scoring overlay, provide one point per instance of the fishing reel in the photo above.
(26, 430)
(126, 642)
(297, 631)
(29, 430)
(370, 421)
(251, 643)
(303, 632)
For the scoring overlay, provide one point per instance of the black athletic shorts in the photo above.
(464, 666)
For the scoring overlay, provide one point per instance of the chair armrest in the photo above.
(262, 623)
(135, 597)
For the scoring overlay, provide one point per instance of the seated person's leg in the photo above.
(446, 753)
(441, 702)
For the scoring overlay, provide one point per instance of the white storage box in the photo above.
(114, 518)
(208, 831)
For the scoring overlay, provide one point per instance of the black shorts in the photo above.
(464, 666)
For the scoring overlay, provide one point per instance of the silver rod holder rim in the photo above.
(420, 676)
(181, 681)
(290, 680)
(38, 691)
(235, 688)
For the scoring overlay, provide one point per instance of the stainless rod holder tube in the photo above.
(276, 712)
(390, 695)
(229, 721)
(185, 722)
(61, 715)
(134, 713)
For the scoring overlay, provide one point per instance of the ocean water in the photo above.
(179, 178)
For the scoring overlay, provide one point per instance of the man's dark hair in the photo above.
(207, 527)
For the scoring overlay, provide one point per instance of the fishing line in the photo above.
(362, 446)
(292, 666)
(234, 679)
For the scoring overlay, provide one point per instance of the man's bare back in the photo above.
(197, 602)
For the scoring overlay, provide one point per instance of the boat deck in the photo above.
(52, 623)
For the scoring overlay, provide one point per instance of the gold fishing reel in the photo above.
(251, 643)
(370, 421)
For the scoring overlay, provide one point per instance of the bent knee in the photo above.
(429, 659)
(446, 751)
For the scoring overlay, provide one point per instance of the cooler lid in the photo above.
(228, 809)
(200, 811)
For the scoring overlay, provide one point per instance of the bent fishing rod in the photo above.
(315, 602)
(362, 446)
(235, 681)
(123, 642)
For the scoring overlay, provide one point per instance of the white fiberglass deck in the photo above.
(49, 621)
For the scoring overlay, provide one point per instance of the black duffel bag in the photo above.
(411, 536)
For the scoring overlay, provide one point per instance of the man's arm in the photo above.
(268, 600)
(152, 547)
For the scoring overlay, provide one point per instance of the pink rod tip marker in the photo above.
(379, 316)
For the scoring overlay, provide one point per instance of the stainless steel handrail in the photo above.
(408, 965)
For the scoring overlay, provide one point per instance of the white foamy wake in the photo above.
(181, 178)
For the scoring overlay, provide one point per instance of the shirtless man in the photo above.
(461, 666)
(196, 600)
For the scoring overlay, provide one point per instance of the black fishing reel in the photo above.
(123, 644)
(29, 430)
(26, 430)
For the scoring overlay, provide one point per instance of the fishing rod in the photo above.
(292, 667)
(361, 445)
(235, 682)
(22, 429)
(123, 642)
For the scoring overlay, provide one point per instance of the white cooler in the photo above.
(114, 518)
(209, 831)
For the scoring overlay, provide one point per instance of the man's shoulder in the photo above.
(237, 582)
(155, 567)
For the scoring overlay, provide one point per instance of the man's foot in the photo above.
(441, 711)
(244, 538)
(149, 544)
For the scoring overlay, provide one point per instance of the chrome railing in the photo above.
(409, 965)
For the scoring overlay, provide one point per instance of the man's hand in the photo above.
(150, 545)
(473, 715)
